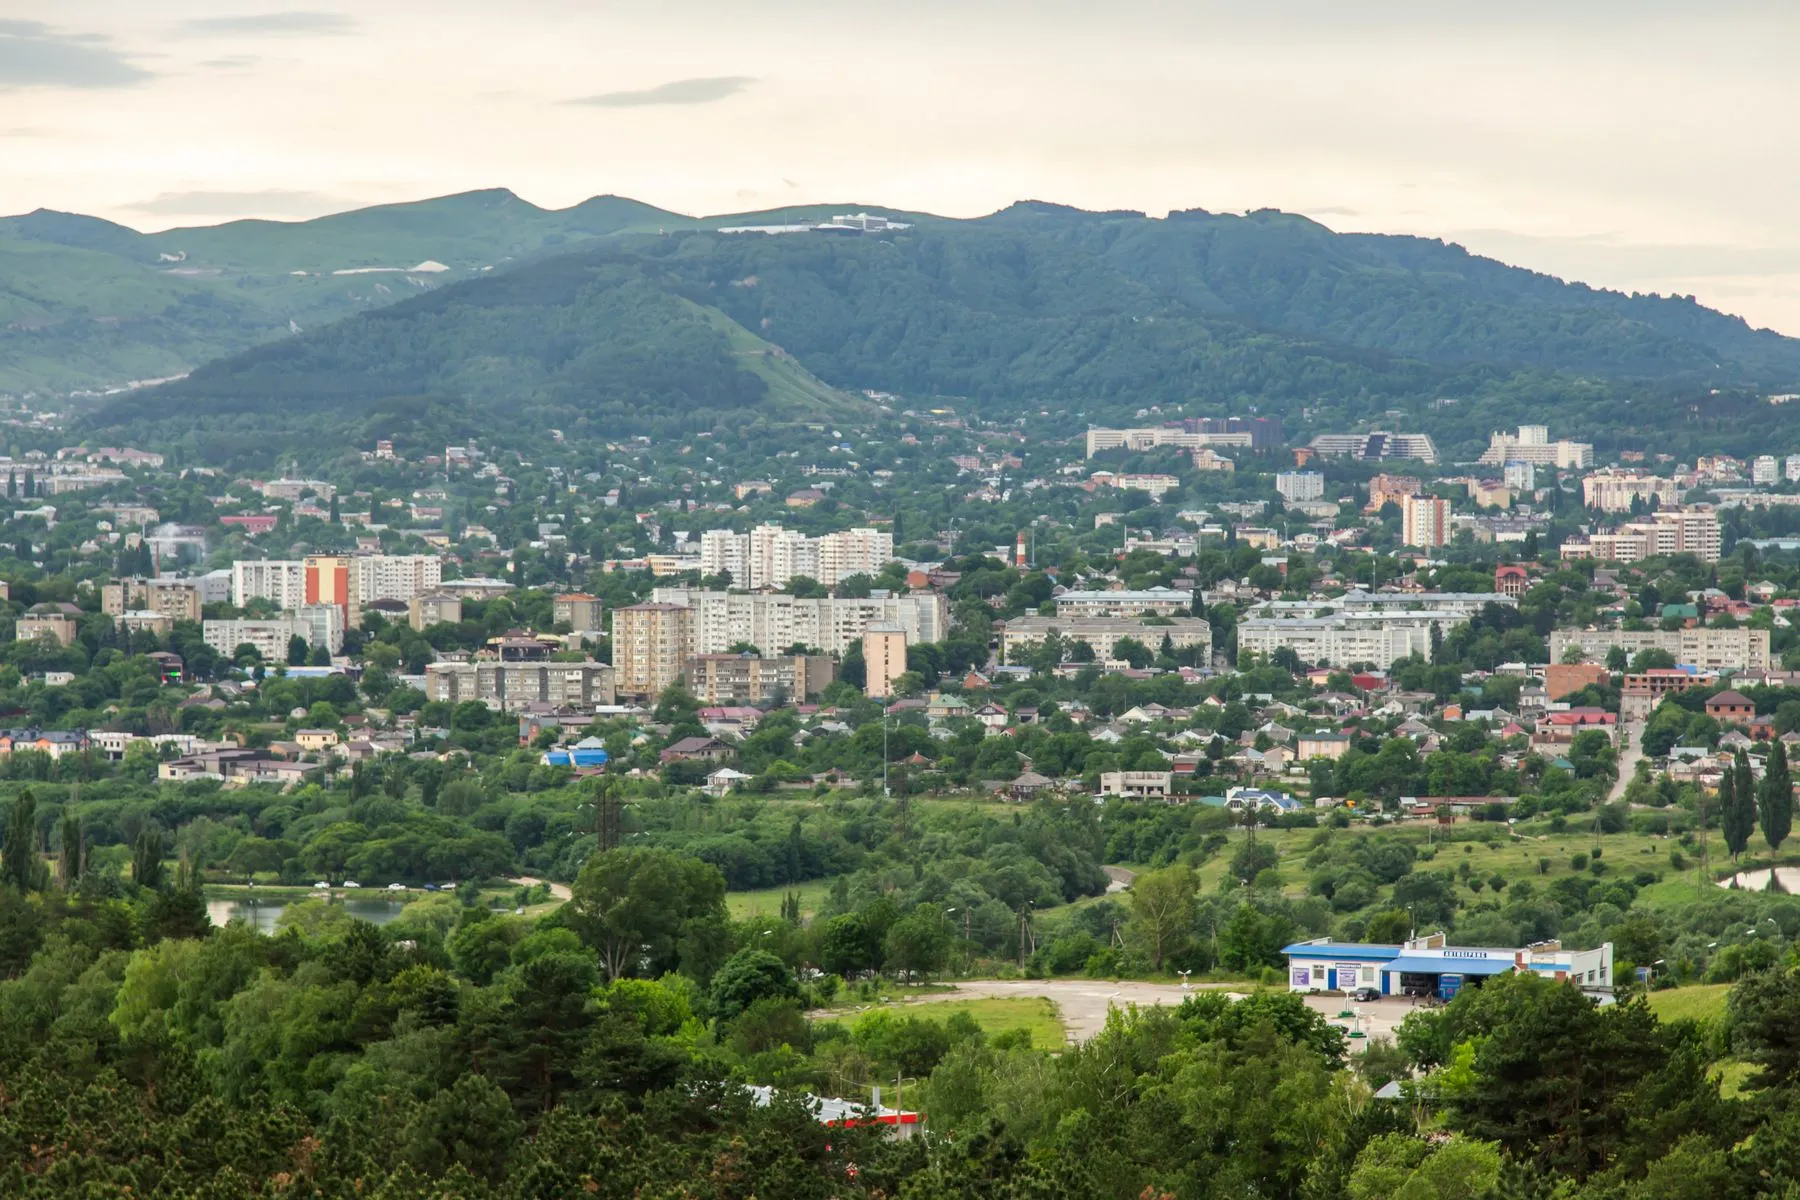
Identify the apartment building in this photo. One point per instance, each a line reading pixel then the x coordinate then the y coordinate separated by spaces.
pixel 579 611
pixel 752 679
pixel 650 644
pixel 1022 634
pixel 1425 521
pixel 1159 601
pixel 775 621
pixel 1706 649
pixel 1391 489
pixel 434 608
pixel 884 658
pixel 1345 639
pixel 176 599
pixel 317 624
pixel 1298 486
pixel 349 581
pixel 282 582
pixel 508 686
pixel 48 620
pixel 1667 531
pixel 770 556
pixel 1461 605
pixel 1532 445
pixel 1615 491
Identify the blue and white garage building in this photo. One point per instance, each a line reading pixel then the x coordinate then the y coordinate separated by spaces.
pixel 1427 966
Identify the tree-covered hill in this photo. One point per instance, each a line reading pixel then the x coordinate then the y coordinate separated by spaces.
pixel 614 316
pixel 1418 297
pixel 663 334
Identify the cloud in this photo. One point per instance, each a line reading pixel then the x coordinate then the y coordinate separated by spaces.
pixel 271 202
pixel 297 23
pixel 33 54
pixel 707 90
pixel 231 62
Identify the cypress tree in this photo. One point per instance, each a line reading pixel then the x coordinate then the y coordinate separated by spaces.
pixel 69 863
pixel 18 860
pixel 1737 805
pixel 1776 799
pixel 146 859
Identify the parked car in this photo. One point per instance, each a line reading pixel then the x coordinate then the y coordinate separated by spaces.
pixel 351 883
pixel 1365 994
pixel 322 884
pixel 396 887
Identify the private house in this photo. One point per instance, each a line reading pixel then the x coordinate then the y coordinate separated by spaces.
pixel 1730 707
pixel 315 741
pixel 696 749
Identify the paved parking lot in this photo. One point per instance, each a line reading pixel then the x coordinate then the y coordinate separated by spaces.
pixel 1083 1003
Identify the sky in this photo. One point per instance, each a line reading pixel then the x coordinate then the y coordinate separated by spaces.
pixel 1647 145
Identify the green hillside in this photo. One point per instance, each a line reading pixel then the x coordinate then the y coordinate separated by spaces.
pixel 1101 313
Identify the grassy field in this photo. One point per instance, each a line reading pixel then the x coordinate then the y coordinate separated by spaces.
pixel 1003 1015
pixel 1488 849
pixel 766 902
pixel 1698 1003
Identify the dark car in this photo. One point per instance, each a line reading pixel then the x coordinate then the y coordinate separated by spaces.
pixel 1365 993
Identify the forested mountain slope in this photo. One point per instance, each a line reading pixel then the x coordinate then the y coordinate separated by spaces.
pixel 86 303
pixel 1414 296
pixel 645 335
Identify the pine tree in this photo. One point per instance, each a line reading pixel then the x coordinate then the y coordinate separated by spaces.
pixel 1776 799
pixel 18 860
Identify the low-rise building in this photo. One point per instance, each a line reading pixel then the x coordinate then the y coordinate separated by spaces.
pixel 1137 785
pixel 57 621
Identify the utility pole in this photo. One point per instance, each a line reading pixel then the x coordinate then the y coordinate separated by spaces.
pixel 884 748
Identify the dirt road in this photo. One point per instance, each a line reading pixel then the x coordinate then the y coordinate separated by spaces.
pixel 1083 1003
pixel 559 891
pixel 1630 752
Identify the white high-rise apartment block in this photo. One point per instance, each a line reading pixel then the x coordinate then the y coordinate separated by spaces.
pixel 853 552
pixel 393 576
pixel 774 622
pixel 1791 468
pixel 1521 476
pixel 1765 470
pixel 723 550
pixel 770 556
pixel 282 582
pixel 1299 486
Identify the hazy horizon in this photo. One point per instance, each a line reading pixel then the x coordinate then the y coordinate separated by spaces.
pixel 1639 147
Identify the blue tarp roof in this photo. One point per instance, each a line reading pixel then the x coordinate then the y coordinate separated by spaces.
pixel 1433 965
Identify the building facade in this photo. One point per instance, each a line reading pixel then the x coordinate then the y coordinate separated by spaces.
pixel 507 686
pixel 723 679
pixel 1022 634
pixel 650 643
pixel 1703 648
pixel 884 658
pixel 1425 521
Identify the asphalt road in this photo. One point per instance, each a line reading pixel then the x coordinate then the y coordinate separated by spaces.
pixel 1633 735
pixel 1083 1003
